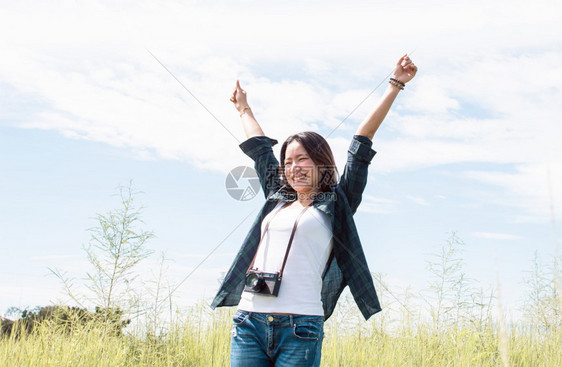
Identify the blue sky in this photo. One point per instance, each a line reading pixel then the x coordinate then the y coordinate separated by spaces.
pixel 471 145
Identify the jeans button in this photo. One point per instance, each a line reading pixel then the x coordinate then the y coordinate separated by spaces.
pixel 270 318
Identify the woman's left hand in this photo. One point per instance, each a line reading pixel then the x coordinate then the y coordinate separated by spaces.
pixel 405 69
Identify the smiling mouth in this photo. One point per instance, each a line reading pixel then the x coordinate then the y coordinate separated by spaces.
pixel 300 178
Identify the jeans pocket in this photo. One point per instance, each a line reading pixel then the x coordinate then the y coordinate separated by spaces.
pixel 239 317
pixel 308 330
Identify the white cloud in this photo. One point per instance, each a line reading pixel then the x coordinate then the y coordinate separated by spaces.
pixel 488 88
pixel 372 204
pixel 496 236
pixel 533 187
pixel 434 99
pixel 418 200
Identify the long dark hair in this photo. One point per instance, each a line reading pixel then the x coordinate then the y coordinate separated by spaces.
pixel 319 151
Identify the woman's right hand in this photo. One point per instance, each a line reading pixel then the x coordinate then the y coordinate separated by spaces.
pixel 251 126
pixel 239 98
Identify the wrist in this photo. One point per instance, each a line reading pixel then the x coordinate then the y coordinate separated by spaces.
pixel 244 110
pixel 396 83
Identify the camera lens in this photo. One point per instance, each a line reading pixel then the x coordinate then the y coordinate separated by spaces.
pixel 254 281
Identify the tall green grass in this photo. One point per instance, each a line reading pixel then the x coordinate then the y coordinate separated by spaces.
pixel 203 339
pixel 192 342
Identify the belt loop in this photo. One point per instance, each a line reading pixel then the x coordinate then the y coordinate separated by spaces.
pixel 291 321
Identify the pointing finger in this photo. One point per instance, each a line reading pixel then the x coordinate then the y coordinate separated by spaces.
pixel 239 88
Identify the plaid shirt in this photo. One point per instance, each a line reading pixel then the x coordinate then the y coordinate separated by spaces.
pixel 347 264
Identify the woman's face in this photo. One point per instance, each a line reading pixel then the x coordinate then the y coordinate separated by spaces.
pixel 300 169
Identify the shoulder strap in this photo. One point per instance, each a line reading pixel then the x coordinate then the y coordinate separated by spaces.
pixel 265 231
pixel 290 238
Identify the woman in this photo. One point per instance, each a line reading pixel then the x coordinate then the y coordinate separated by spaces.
pixel 303 248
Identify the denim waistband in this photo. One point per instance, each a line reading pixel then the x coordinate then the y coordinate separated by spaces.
pixel 277 319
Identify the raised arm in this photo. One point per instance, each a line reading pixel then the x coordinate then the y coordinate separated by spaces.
pixel 249 122
pixel 404 71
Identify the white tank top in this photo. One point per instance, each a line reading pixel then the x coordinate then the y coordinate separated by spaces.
pixel 302 278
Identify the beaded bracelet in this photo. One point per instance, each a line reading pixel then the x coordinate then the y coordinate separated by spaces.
pixel 244 110
pixel 397 83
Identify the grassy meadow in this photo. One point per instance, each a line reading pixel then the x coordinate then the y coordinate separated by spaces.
pixel 203 340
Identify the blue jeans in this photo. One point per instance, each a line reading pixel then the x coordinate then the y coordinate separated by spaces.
pixel 260 340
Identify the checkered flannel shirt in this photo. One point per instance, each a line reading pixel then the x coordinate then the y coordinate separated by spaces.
pixel 347 265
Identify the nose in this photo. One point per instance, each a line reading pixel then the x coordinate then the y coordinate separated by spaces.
pixel 292 169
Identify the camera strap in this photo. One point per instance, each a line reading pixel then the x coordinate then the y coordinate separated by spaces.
pixel 290 238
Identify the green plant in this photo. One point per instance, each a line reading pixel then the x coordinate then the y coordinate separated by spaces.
pixel 117 244
pixel 543 306
pixel 450 288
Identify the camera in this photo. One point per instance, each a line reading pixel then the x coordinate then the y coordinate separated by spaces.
pixel 263 283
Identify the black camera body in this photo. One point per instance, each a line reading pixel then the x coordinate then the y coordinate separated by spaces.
pixel 263 283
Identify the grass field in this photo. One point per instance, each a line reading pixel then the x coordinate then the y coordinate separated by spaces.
pixel 203 340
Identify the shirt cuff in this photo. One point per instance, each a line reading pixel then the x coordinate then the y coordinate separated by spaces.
pixel 257 145
pixel 361 148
